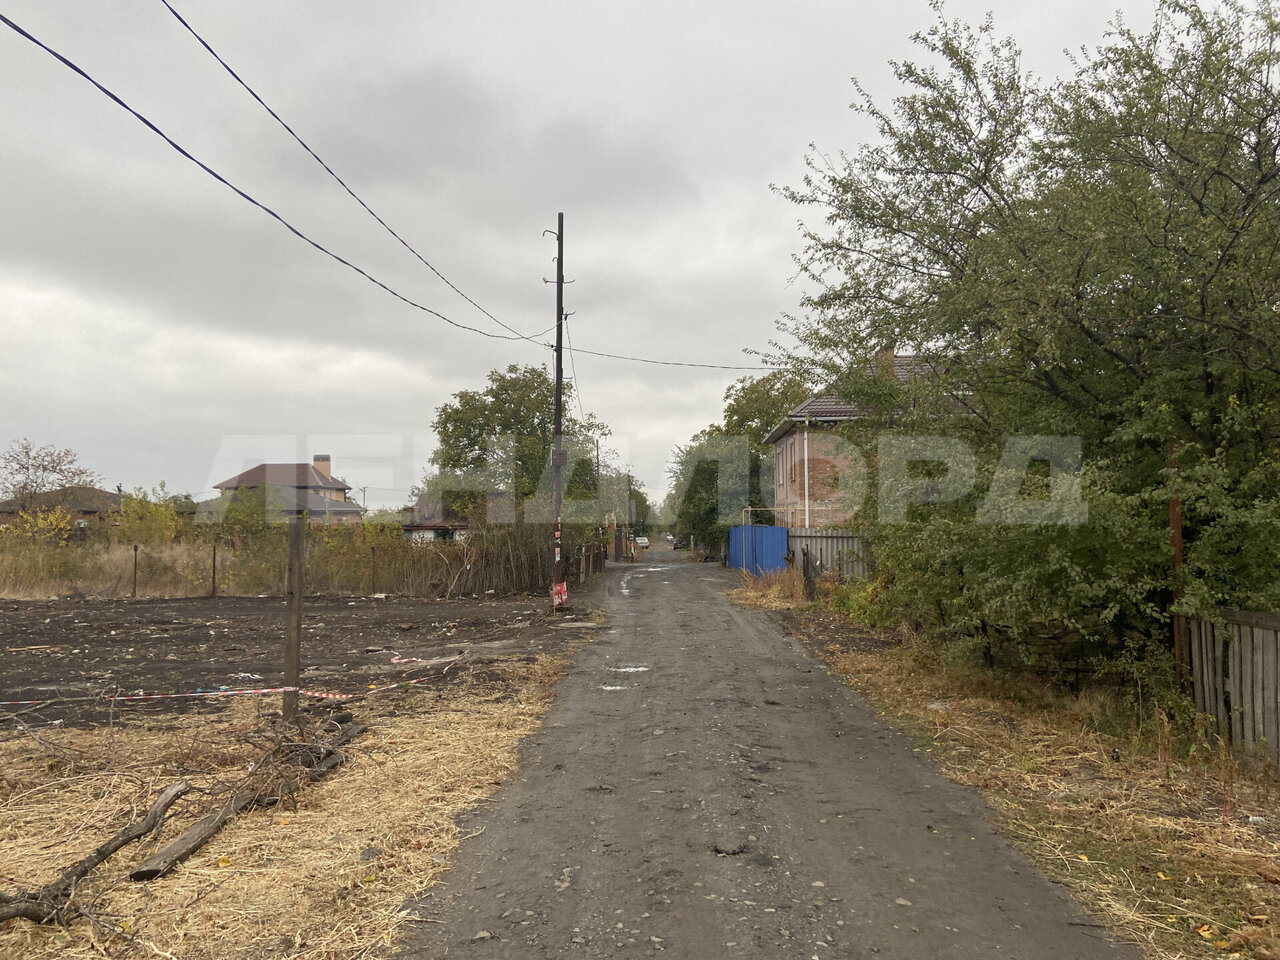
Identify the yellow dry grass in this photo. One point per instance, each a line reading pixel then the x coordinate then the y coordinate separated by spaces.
pixel 776 590
pixel 1175 849
pixel 324 877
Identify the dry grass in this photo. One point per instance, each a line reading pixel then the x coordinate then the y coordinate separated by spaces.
pixel 1175 845
pixel 777 590
pixel 325 877
pixel 38 573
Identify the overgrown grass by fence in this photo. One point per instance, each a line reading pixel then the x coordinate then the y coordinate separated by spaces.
pixel 1235 671
pixel 345 561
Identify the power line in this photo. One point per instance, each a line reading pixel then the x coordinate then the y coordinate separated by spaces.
pixel 242 194
pixel 71 65
pixel 329 170
pixel 573 369
pixel 673 363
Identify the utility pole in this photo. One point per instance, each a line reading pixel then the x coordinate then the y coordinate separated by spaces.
pixel 559 591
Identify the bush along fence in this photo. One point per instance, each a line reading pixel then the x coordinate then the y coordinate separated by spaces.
pixel 1235 675
pixel 832 551
pixel 498 559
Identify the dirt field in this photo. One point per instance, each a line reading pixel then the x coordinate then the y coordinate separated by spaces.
pixel 73 655
pixel 319 871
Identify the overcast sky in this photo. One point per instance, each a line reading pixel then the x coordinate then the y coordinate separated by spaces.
pixel 166 330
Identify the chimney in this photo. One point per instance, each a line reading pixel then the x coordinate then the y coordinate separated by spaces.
pixel 884 361
pixel 321 461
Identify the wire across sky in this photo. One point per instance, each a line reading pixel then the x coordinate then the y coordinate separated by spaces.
pixel 511 335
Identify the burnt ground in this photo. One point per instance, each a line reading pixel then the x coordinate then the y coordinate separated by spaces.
pixel 74 654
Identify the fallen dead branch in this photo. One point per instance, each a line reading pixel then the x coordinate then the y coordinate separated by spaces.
pixel 204 829
pixel 51 901
pixel 325 876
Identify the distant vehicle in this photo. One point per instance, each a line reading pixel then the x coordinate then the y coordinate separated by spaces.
pixel 642 542
pixel 679 544
pixel 669 536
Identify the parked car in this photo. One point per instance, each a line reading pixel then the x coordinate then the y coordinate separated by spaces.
pixel 642 543
pixel 680 544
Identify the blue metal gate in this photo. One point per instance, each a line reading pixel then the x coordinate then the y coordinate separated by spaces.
pixel 757 549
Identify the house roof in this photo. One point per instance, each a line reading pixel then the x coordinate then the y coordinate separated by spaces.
pixel 827 408
pixel 77 499
pixel 284 500
pixel 432 514
pixel 301 475
pixel 823 408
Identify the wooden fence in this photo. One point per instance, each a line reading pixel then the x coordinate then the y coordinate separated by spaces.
pixel 836 550
pixel 1235 673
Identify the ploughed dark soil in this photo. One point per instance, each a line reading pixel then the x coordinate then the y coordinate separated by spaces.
pixel 73 655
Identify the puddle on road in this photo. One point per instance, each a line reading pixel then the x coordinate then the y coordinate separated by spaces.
pixel 628 669
pixel 614 688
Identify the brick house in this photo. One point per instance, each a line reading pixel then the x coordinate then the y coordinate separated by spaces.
pixel 810 457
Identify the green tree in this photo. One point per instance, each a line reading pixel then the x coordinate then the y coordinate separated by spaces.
pixel 1095 258
pixel 728 466
pixel 753 406
pixel 500 437
pixel 151 518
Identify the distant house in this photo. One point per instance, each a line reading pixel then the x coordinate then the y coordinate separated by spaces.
pixel 89 507
pixel 809 456
pixel 291 490
pixel 429 519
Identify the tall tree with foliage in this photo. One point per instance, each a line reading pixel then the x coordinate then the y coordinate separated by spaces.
pixel 728 466
pixel 1094 258
pixel 499 438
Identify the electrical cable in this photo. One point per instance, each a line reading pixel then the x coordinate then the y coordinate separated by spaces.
pixel 141 118
pixel 573 370
pixel 242 194
pixel 329 170
pixel 674 363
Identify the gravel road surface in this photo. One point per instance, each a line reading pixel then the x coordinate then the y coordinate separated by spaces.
pixel 703 788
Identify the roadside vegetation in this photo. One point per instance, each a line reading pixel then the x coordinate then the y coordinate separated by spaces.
pixel 1093 259
pixel 245 554
pixel 490 469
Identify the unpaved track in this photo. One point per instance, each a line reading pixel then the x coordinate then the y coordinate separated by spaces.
pixel 733 800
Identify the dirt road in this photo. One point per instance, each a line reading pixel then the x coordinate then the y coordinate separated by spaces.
pixel 703 787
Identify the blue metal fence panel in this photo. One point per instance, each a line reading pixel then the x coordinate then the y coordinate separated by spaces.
pixel 757 549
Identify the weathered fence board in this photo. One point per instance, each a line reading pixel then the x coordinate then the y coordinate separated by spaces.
pixel 836 550
pixel 1235 675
